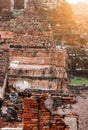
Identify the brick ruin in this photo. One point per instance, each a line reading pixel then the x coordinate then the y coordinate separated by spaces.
pixel 9 8
pixel 42 118
pixel 34 90
pixel 34 56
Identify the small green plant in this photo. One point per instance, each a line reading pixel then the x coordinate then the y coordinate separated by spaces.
pixel 79 81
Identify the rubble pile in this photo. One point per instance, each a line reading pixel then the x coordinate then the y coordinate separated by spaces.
pixel 11 111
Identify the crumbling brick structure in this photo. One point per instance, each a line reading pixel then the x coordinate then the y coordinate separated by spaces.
pixel 33 55
pixel 10 8
pixel 35 64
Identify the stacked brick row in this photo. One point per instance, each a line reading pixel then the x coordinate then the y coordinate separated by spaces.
pixel 6 38
pixel 40 71
pixel 10 125
pixel 37 117
pixel 34 39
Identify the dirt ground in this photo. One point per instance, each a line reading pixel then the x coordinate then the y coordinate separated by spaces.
pixel 81 107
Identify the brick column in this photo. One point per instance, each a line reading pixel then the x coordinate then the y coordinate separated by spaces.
pixel 11 5
pixel 25 3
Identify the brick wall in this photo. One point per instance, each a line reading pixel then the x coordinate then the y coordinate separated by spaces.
pixel 37 117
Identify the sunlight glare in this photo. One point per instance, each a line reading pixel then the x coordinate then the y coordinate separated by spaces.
pixel 76 1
